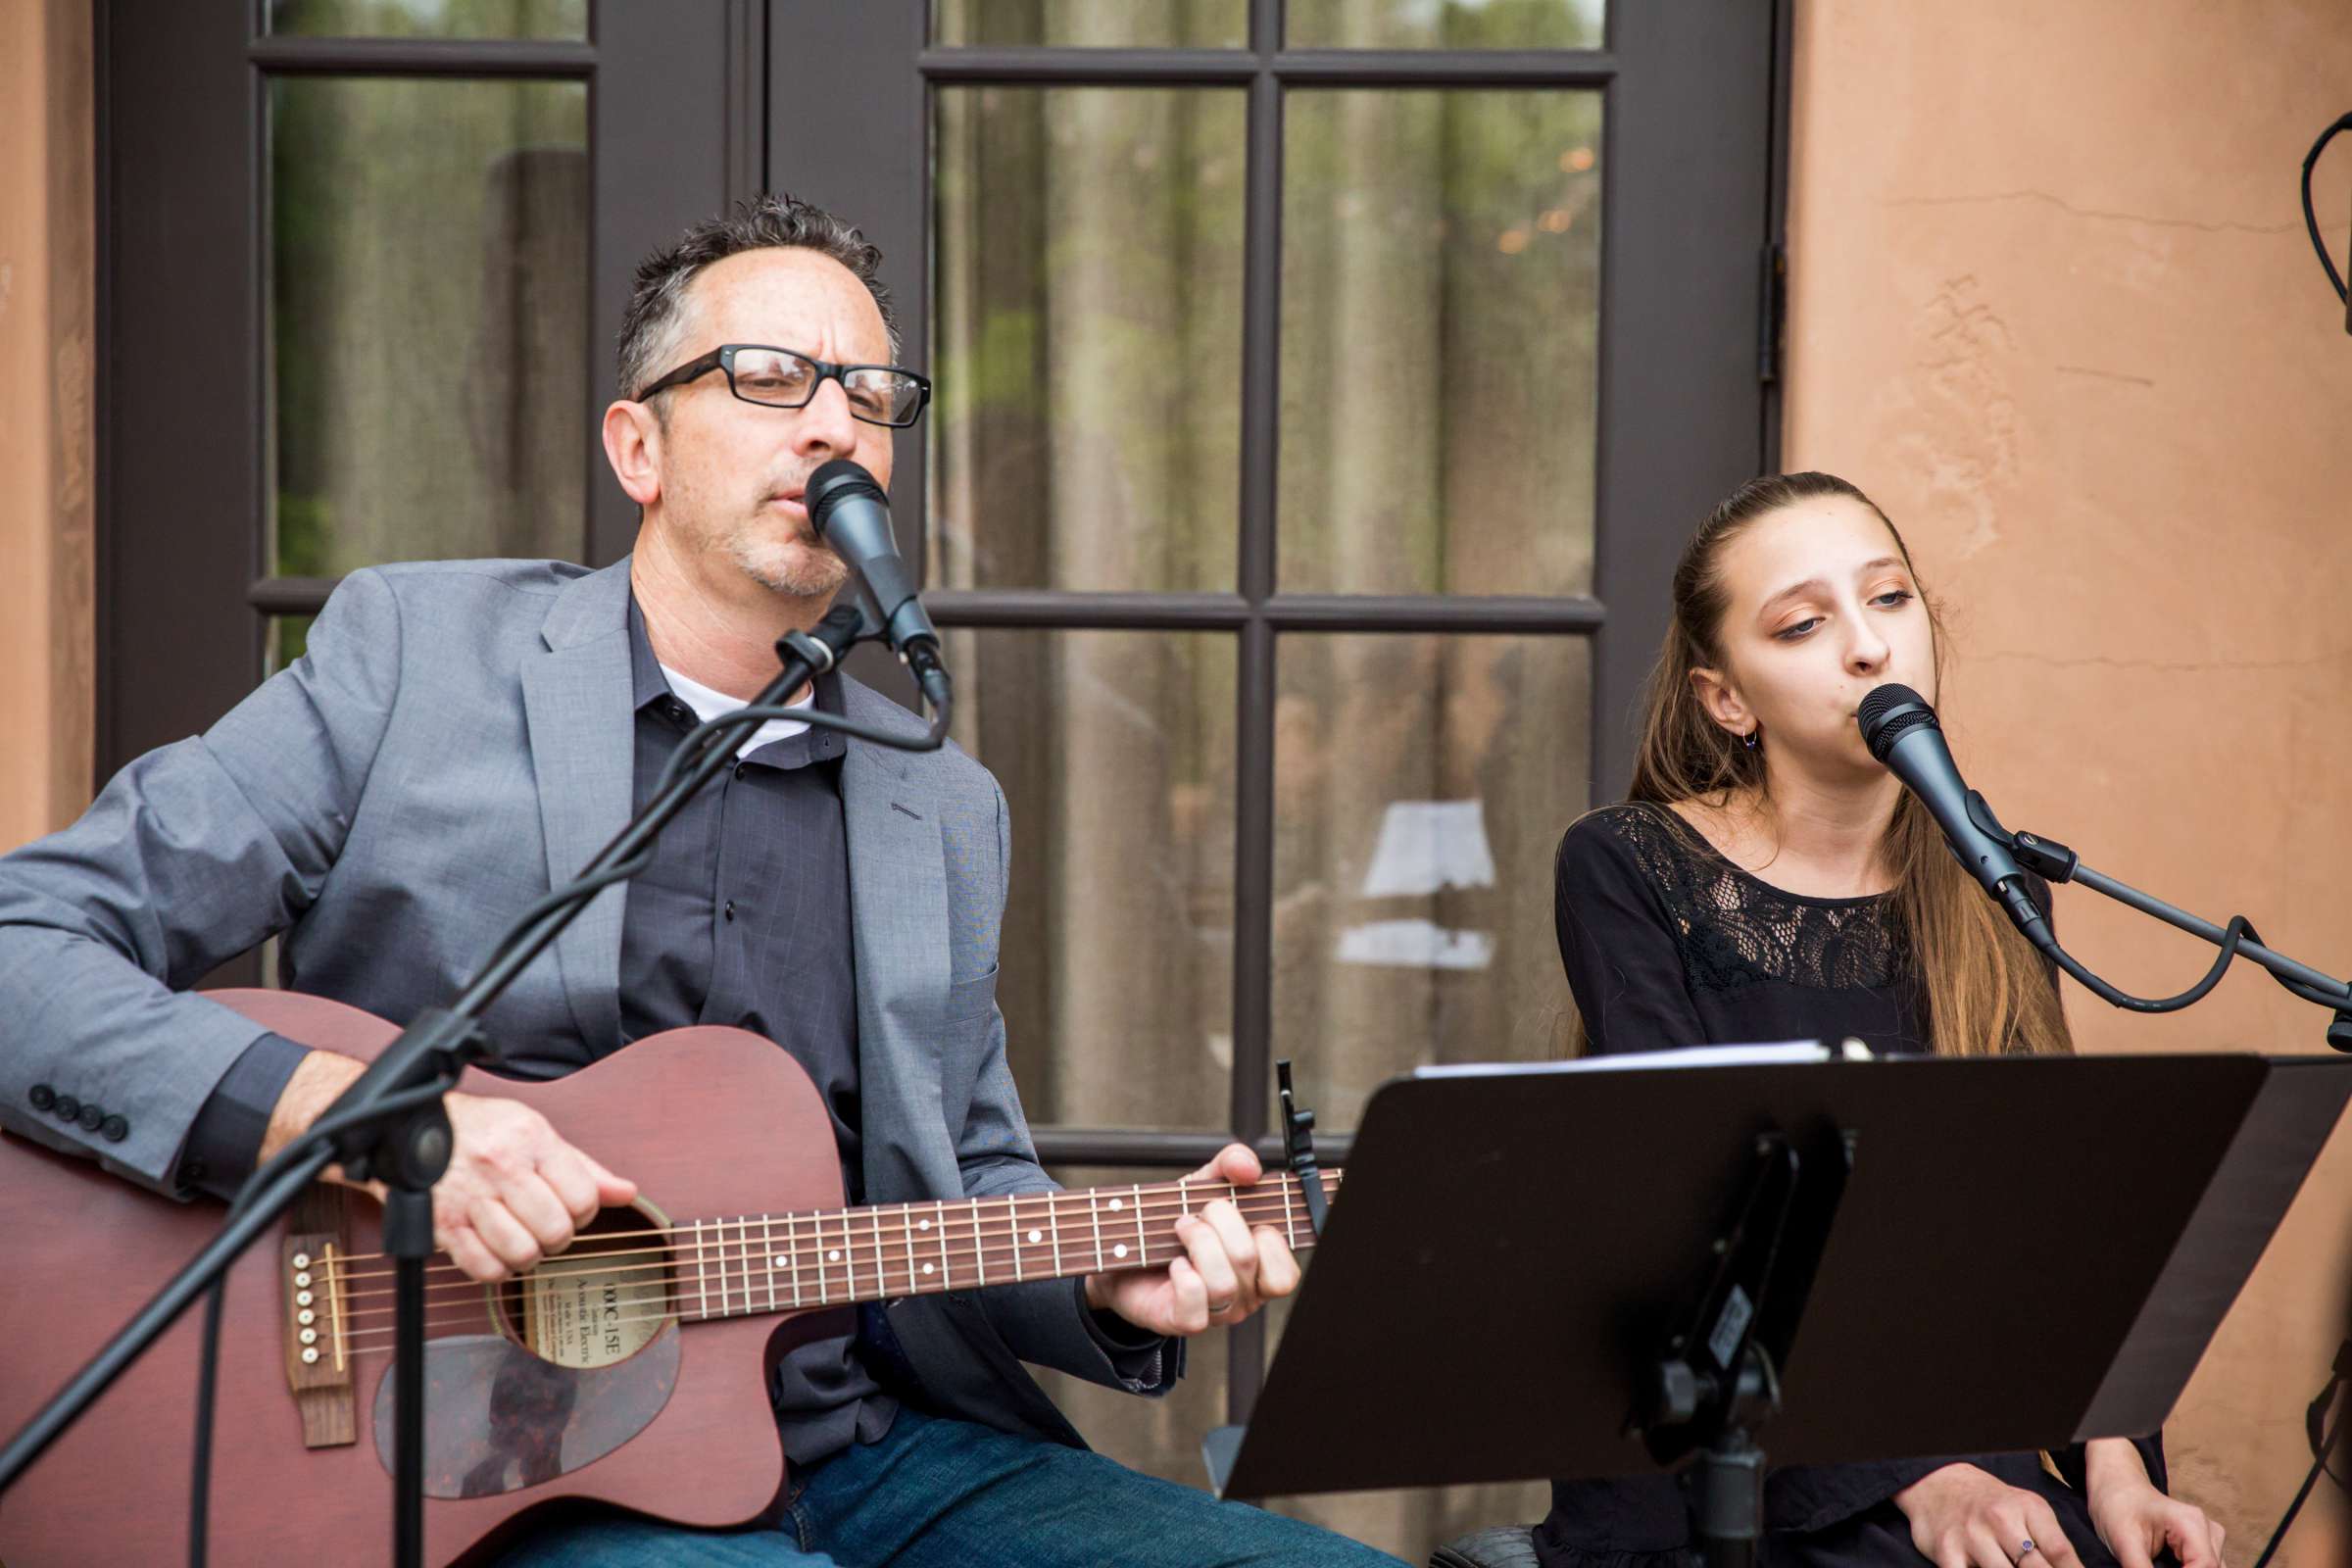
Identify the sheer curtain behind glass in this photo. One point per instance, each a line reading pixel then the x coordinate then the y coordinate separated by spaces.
pixel 428 311
pixel 1088 345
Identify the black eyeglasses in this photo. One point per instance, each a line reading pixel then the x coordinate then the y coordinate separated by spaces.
pixel 779 378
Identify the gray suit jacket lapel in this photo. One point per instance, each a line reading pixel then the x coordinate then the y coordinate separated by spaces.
pixel 898 920
pixel 576 696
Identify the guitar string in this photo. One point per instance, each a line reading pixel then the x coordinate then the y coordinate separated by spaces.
pixel 909 1217
pixel 820 1260
pixel 680 1313
pixel 1272 1186
pixel 821 1254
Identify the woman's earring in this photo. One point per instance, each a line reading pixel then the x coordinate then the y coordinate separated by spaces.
pixel 1750 739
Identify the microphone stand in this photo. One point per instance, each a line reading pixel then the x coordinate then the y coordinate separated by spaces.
pixel 2057 862
pixel 391 1125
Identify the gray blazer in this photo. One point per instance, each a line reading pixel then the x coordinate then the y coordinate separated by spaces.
pixel 459 735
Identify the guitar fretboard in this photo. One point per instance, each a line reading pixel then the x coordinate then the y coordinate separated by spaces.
pixel 757 1264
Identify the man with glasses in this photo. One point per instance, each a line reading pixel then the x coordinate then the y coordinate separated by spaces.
pixel 461 734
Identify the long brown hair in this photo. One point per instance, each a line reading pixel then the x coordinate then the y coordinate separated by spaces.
pixel 1987 992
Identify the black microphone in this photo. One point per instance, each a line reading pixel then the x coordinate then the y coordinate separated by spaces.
pixel 1902 732
pixel 851 513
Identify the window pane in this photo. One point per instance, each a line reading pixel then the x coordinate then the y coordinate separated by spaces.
pixel 1414 1522
pixel 1116 752
pixel 428 307
pixel 1158 1437
pixel 1093 23
pixel 1421 784
pixel 1089 302
pixel 1441 263
pixel 432 19
pixel 1443 25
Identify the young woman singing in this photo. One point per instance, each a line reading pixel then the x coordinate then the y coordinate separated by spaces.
pixel 1767 880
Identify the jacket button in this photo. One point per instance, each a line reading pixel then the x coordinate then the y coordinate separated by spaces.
pixel 66 1107
pixel 42 1097
pixel 92 1117
pixel 116 1130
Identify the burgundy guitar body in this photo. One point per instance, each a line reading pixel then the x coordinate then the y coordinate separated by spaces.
pixel 707 1121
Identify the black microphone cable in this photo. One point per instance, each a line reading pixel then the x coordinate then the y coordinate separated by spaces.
pixel 2311 219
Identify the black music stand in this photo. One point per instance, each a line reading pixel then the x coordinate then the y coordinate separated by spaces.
pixel 2024 1253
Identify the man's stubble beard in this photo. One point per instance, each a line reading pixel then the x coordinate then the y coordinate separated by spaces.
pixel 796 567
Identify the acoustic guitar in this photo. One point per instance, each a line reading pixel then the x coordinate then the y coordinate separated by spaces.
pixel 630 1370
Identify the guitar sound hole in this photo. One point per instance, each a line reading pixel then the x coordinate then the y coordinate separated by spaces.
pixel 599 1301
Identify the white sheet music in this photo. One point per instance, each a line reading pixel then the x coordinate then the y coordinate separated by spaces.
pixel 1787 1053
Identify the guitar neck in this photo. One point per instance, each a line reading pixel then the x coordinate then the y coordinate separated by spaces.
pixel 758 1263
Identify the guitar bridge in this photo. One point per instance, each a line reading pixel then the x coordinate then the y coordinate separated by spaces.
pixel 316 1316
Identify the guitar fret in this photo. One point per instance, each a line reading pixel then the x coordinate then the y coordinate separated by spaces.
pixel 906 1235
pixel 767 1235
pixel 743 1234
pixel 881 1281
pixel 792 1251
pixel 947 1269
pixel 816 1234
pixel 1143 1243
pixel 1094 1210
pixel 702 1272
pixel 1013 1207
pixel 979 1247
pixel 1054 1222
pixel 849 1259
pixel 1289 1232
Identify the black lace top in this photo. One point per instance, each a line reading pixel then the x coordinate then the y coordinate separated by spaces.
pixel 1667 944
pixel 1740 962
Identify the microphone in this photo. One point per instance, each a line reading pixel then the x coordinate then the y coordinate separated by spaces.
pixel 1900 730
pixel 851 513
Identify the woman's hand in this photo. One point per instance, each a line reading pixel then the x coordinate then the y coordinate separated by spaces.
pixel 2136 1520
pixel 1963 1517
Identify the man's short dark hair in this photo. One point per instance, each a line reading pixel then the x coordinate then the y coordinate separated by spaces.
pixel 649 327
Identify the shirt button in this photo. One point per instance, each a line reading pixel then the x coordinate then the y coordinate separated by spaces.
pixel 66 1107
pixel 116 1129
pixel 729 910
pixel 92 1117
pixel 740 768
pixel 42 1097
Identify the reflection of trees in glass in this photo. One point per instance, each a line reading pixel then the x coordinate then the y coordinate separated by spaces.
pixel 1443 24
pixel 440 19
pixel 428 276
pixel 1441 302
pixel 1100 23
pixel 1089 341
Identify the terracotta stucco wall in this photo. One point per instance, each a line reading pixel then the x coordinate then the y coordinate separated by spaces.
pixel 46 290
pixel 2052 304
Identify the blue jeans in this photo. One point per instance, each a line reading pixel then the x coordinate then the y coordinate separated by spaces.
pixel 939 1493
